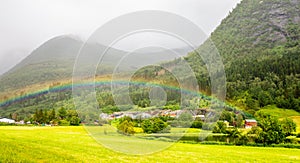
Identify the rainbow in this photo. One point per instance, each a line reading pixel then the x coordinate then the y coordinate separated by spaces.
pixel 69 86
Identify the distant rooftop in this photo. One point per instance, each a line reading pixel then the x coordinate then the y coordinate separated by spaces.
pixel 250 120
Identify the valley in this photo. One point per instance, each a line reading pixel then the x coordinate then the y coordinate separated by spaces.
pixel 155 106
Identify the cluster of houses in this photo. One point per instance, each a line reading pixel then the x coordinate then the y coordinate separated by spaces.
pixel 200 113
pixel 11 121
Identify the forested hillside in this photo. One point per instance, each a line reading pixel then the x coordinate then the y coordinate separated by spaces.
pixel 260 45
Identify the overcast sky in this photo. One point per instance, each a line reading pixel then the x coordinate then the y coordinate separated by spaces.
pixel 26 24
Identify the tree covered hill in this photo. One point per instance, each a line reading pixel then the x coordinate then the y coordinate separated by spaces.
pixel 260 45
pixel 255 25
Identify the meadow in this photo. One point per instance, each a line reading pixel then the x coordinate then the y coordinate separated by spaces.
pixel 74 144
pixel 283 113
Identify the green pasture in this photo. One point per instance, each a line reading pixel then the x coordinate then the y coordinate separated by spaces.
pixel 278 112
pixel 296 119
pixel 283 113
pixel 73 144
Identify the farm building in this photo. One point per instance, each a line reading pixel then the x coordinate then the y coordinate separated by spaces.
pixel 6 120
pixel 249 123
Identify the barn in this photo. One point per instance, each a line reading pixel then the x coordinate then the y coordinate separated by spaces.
pixel 249 123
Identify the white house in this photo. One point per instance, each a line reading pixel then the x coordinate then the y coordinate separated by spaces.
pixel 145 115
pixel 6 120
pixel 202 117
pixel 104 116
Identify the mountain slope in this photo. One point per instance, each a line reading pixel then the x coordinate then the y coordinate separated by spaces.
pixel 258 24
pixel 52 60
pixel 55 59
pixel 260 45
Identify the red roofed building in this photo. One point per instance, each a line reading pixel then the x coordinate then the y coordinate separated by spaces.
pixel 249 123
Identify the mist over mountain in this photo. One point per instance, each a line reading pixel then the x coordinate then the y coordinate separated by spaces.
pixel 55 59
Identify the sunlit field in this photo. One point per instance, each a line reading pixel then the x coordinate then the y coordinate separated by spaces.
pixel 296 119
pixel 73 144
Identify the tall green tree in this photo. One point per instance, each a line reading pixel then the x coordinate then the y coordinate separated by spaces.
pixel 126 128
pixel 272 131
pixel 154 125
pixel 40 116
pixel 239 121
pixel 72 117
pixel 52 115
pixel 147 126
pixel 227 116
pixel 288 126
pixel 220 127
pixel 62 113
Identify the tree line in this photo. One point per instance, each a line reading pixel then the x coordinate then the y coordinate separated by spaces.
pixel 270 130
pixel 62 117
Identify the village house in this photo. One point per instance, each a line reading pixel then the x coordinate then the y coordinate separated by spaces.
pixel 249 123
pixel 154 113
pixel 6 120
pixel 202 117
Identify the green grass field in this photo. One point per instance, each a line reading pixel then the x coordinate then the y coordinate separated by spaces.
pixel 283 113
pixel 73 144
pixel 278 112
pixel 296 119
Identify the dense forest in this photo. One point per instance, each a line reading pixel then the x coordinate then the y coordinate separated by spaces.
pixel 260 46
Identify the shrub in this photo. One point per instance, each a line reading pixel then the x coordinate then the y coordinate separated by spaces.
pixel 126 128
pixel 207 126
pixel 63 123
pixel 220 127
pixel 74 121
pixel 197 124
pixel 155 125
pixel 138 130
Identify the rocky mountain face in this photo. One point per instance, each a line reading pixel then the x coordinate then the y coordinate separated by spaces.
pixel 259 43
pixel 259 24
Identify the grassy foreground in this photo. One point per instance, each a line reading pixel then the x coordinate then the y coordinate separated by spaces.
pixel 73 144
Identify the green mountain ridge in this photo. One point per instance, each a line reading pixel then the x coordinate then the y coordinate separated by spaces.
pixel 260 45
pixel 258 24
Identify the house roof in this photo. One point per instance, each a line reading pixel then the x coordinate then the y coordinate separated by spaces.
pixel 6 120
pixel 201 116
pixel 250 120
